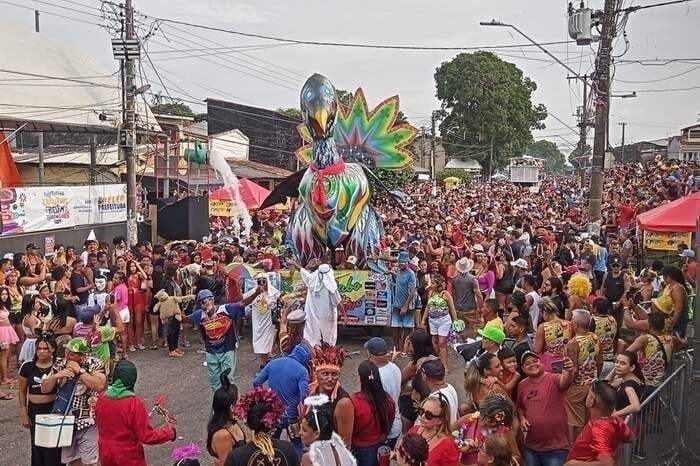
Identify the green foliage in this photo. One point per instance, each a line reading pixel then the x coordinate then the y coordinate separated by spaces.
pixel 485 96
pixel 543 149
pixel 172 108
pixel 291 112
pixel 463 175
pixel 394 179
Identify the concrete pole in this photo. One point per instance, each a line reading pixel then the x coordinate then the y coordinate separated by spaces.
pixel 130 127
pixel 602 99
pixel 41 157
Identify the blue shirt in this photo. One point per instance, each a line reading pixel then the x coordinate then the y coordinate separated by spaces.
pixel 405 280
pixel 289 378
pixel 219 329
pixel 602 264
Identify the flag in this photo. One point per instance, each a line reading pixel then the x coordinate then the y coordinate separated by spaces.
pixel 9 175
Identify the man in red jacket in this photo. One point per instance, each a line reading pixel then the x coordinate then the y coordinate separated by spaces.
pixel 123 424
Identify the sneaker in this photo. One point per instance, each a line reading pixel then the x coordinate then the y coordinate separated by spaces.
pixel 186 344
pixel 141 346
pixel 132 348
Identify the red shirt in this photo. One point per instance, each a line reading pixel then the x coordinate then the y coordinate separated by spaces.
pixel 366 430
pixel 626 214
pixel 445 453
pixel 543 404
pixel 600 438
pixel 124 427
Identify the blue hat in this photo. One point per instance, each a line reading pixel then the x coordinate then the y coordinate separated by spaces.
pixel 376 346
pixel 204 294
pixel 404 257
pixel 88 312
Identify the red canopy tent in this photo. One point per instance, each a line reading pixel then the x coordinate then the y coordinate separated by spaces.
pixel 678 216
pixel 252 194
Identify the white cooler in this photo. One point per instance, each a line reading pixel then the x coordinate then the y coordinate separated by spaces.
pixel 53 430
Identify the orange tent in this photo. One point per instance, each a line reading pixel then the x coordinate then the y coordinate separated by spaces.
pixel 9 175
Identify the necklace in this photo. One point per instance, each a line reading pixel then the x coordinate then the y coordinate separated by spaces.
pixel 428 439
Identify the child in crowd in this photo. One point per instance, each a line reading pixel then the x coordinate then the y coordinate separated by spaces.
pixel 510 375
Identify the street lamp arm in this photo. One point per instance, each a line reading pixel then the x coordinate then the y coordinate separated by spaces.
pixel 493 22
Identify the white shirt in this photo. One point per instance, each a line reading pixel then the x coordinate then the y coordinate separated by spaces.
pixel 450 393
pixel 535 308
pixel 390 376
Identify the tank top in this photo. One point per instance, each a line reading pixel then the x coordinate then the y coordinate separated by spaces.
pixel 651 358
pixel 437 306
pixel 614 287
pixel 557 335
pixel 605 329
pixel 587 355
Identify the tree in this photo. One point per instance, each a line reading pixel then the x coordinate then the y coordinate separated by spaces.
pixel 393 179
pixel 172 108
pixel 554 159
pixel 291 112
pixel 487 99
pixel 464 176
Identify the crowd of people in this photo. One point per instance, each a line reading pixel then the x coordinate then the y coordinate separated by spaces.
pixel 564 334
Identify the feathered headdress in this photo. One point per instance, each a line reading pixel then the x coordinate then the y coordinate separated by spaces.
pixel 326 357
pixel 265 396
pixel 186 452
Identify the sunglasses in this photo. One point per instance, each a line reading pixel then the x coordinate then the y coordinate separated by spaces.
pixel 428 415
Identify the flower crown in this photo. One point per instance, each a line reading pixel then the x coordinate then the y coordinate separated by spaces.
pixel 327 357
pixel 256 396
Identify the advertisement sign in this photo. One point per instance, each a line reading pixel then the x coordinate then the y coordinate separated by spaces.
pixel 27 210
pixel 666 241
pixel 367 296
pixel 49 245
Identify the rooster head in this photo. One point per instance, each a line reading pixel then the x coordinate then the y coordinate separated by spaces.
pixel 319 106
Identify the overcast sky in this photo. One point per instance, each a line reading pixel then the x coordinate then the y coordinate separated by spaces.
pixel 665 32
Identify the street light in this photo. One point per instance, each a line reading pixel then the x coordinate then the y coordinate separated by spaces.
pixel 493 22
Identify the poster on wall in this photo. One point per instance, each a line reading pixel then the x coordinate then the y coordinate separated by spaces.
pixel 367 296
pixel 28 210
pixel 666 241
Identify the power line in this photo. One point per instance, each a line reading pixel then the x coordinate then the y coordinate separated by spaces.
pixel 344 44
pixel 51 13
pixel 59 78
pixel 660 79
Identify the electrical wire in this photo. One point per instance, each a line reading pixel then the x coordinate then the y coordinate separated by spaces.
pixel 59 78
pixel 51 13
pixel 660 79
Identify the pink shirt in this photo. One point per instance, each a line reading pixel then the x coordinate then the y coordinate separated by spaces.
pixel 121 296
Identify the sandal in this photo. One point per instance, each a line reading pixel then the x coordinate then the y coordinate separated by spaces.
pixel 153 347
pixel 141 346
pixel 8 382
pixel 6 396
pixel 174 354
pixel 132 348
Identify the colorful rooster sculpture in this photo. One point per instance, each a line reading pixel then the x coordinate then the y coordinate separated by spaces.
pixel 334 191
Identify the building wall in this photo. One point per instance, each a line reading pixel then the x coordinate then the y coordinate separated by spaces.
pixel 421 153
pixel 73 237
pixel 61 174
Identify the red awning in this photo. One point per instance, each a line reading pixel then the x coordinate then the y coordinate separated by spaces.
pixel 9 175
pixel 252 194
pixel 678 216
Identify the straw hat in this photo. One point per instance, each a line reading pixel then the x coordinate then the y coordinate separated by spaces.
pixel 464 265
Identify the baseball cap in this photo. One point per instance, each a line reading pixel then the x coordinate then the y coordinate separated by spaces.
pixel 527 354
pixel 404 257
pixel 377 346
pixel 616 262
pixel 9 256
pixel 204 294
pixel 687 253
pixel 351 260
pixel 78 345
pixel 433 369
pixel 493 334
pixel 32 246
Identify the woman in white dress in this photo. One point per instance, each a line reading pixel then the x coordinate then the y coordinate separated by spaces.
pixel 326 448
pixel 264 330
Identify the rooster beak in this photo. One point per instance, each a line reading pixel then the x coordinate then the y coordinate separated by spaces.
pixel 321 120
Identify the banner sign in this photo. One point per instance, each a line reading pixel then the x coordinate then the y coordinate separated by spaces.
pixel 367 296
pixel 220 207
pixel 27 210
pixel 666 241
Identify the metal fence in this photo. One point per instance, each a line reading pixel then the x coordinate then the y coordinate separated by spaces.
pixel 661 426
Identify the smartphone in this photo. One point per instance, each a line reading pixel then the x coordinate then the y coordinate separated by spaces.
pixel 558 366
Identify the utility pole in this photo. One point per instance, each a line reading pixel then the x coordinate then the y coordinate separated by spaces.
pixel 490 171
pixel 602 101
pixel 36 21
pixel 433 147
pixel 130 128
pixel 422 146
pixel 93 159
pixel 622 154
pixel 583 125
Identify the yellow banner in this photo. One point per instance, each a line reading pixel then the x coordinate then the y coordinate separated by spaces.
pixel 665 241
pixel 220 208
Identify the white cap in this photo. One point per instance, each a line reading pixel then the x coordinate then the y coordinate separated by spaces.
pixel 9 255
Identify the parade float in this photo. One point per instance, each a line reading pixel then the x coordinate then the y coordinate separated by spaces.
pixel 333 218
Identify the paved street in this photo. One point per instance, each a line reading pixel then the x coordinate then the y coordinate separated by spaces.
pixel 189 395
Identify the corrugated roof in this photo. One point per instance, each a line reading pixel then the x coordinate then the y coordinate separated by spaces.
pixel 71 99
pixel 75 155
